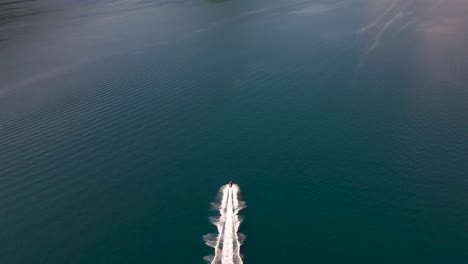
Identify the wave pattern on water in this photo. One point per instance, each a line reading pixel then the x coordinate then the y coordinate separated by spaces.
pixel 227 243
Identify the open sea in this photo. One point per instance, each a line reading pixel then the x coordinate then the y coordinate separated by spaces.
pixel 344 123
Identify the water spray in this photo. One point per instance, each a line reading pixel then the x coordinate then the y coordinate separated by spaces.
pixel 228 241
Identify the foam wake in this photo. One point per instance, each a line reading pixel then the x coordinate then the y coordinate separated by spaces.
pixel 227 242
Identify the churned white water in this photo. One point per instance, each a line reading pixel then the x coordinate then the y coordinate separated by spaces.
pixel 227 242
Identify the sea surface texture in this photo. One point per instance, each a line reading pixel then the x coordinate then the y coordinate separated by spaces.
pixel 343 122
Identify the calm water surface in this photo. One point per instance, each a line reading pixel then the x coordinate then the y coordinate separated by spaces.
pixel 345 123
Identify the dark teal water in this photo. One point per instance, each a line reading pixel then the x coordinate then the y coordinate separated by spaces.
pixel 345 123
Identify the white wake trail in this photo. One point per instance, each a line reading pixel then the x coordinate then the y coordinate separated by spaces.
pixel 227 243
